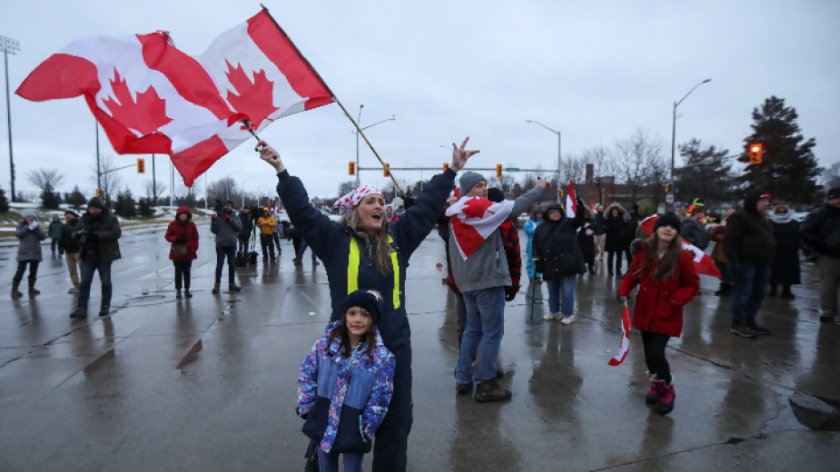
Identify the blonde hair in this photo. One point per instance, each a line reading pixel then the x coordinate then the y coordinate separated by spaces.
pixel 377 239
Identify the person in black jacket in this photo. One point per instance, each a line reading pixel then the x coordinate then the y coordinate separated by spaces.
pixel 560 260
pixel 70 246
pixel 750 248
pixel 244 236
pixel 98 233
pixel 365 252
pixel 614 245
pixel 785 269
pixel 821 232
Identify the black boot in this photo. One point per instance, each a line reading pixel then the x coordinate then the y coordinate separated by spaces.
pixel 491 391
pixel 15 292
pixel 772 292
pixel 786 293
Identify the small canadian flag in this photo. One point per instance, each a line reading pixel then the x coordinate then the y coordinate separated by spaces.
pixel 624 346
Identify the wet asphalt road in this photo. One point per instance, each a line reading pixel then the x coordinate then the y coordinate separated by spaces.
pixel 209 383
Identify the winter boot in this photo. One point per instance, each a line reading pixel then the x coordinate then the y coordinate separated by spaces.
pixel 234 288
pixel 491 391
pixel 32 290
pixel 215 288
pixel 656 389
pixel 79 313
pixel 178 293
pixel 104 311
pixel 786 293
pixel 665 401
pixel 772 292
pixel 187 293
pixel 15 292
pixel 463 388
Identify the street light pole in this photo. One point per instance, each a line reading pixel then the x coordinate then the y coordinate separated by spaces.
pixel 9 46
pixel 359 122
pixel 559 149
pixel 674 136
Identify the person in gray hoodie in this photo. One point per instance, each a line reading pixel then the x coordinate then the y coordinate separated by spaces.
pixel 29 252
pixel 482 279
pixel 226 227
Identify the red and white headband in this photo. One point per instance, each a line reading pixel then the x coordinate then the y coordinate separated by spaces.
pixel 351 200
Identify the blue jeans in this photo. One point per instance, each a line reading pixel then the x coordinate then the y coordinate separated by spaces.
pixel 89 265
pixel 221 253
pixel 485 325
pixel 562 289
pixel 328 461
pixel 750 287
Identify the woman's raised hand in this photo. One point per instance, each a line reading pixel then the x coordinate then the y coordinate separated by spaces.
pixel 271 156
pixel 460 155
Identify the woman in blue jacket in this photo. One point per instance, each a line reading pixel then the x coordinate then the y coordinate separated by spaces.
pixel 531 226
pixel 364 251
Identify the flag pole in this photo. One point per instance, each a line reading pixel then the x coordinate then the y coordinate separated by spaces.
pixel 337 101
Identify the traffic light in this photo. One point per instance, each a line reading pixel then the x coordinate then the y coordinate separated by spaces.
pixel 445 166
pixel 667 187
pixel 498 171
pixel 351 168
pixel 98 192
pixel 141 165
pixel 386 169
pixel 756 153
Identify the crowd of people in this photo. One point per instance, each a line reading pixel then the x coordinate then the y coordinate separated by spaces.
pixel 355 384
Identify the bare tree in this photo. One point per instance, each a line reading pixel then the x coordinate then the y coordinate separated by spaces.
pixel 43 178
pixel 223 189
pixel 603 163
pixel 150 192
pixel 831 176
pixel 640 164
pixel 572 168
pixel 110 179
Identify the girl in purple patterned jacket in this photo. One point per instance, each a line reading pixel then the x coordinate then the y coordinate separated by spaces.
pixel 345 384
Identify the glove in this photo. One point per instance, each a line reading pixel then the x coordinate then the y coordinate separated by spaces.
pixel 510 292
pixel 213 216
pixel 181 240
pixel 621 299
pixel 538 265
pixel 33 226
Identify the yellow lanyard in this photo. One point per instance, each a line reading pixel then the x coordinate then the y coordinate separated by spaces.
pixel 353 269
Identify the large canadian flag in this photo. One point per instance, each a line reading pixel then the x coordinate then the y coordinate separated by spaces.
pixel 702 262
pixel 474 219
pixel 150 97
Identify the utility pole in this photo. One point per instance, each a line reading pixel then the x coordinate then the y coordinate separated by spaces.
pixel 9 46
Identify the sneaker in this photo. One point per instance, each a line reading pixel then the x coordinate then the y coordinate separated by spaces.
pixel 463 388
pixel 757 328
pixel 549 316
pixel 73 290
pixel 656 389
pixel 742 330
pixel 567 320
pixel 491 391
pixel 234 288
pixel 105 311
pixel 79 313
pixel 665 402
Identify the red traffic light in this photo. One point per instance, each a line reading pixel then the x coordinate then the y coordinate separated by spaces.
pixel 756 153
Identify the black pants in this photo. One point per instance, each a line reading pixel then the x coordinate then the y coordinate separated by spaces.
pixel 223 252
pixel 267 243
pixel 391 444
pixel 182 272
pixel 54 245
pixel 243 244
pixel 614 255
pixel 276 237
pixel 33 271
pixel 655 354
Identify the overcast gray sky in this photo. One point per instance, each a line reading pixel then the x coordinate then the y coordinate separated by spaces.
pixel 596 71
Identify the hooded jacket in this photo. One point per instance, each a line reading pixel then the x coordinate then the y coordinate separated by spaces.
pixel 30 242
pixel 344 399
pixel 182 233
pixel 821 230
pixel 659 304
pixel 614 228
pixel 556 244
pixel 487 267
pixel 749 235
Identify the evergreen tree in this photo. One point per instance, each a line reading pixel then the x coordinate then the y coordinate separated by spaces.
pixel 75 198
pixel 50 200
pixel 145 208
pixel 706 174
pixel 125 205
pixel 789 168
pixel 4 202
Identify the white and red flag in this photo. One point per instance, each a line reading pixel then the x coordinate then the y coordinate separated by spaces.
pixel 150 97
pixel 571 201
pixel 474 219
pixel 703 264
pixel 624 345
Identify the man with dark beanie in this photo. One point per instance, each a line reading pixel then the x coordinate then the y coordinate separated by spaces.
pixel 821 231
pixel 97 232
pixel 750 247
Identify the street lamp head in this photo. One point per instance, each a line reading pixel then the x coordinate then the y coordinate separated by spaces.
pixel 706 81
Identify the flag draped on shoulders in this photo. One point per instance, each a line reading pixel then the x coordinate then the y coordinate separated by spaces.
pixel 150 97
pixel 703 263
pixel 474 219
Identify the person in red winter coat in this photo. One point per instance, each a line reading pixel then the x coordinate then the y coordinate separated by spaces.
pixel 667 281
pixel 183 235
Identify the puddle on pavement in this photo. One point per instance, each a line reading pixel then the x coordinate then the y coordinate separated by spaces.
pixel 815 412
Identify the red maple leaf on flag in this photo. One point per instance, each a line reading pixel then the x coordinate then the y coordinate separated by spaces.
pixel 145 115
pixel 254 99
pixel 476 207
